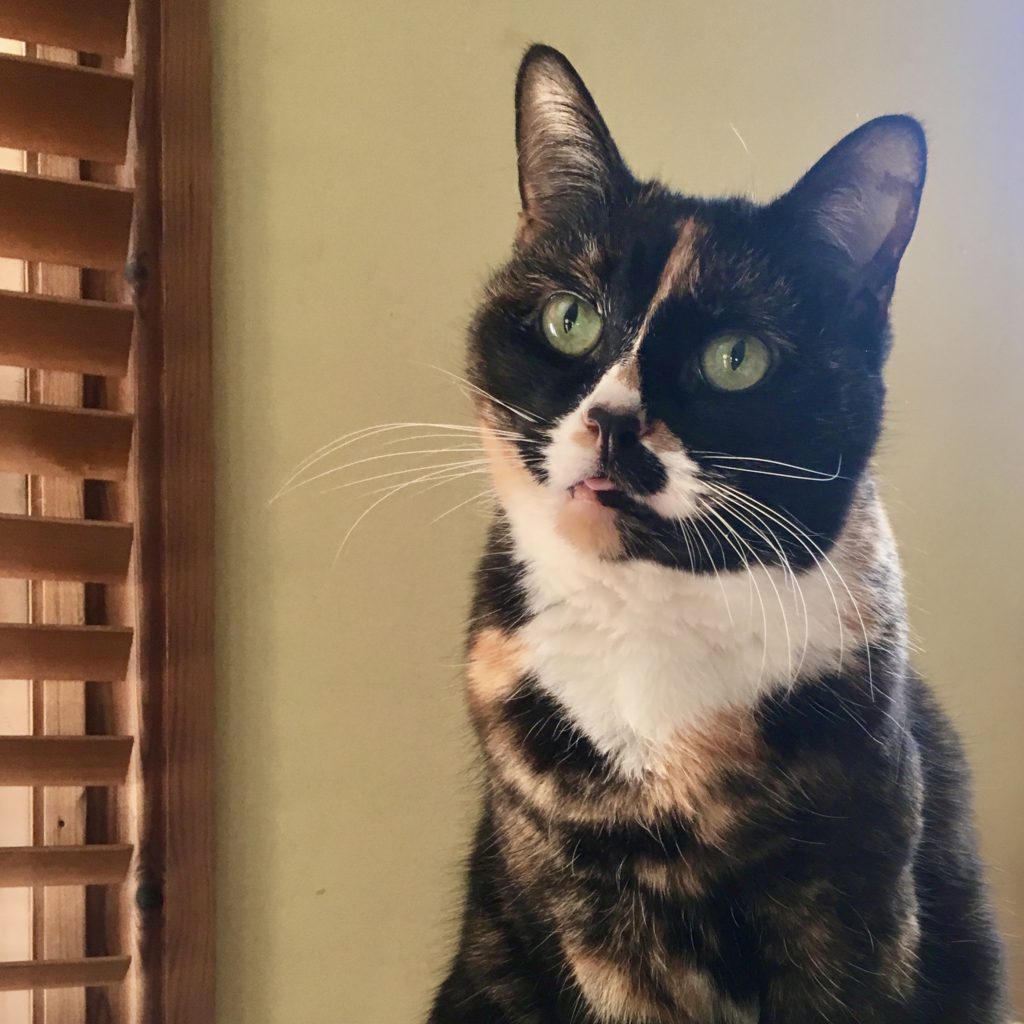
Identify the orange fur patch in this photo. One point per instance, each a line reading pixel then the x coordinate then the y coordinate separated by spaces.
pixel 584 438
pixel 495 666
pixel 687 780
pixel 511 478
pixel 589 527
pixel 611 990
pixel 680 271
pixel 628 373
pixel 660 439
pixel 586 525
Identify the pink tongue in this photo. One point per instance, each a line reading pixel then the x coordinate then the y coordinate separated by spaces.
pixel 599 483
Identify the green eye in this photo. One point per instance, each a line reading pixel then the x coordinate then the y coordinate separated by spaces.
pixel 571 324
pixel 735 362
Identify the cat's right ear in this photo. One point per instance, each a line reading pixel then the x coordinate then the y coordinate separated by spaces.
pixel 567 159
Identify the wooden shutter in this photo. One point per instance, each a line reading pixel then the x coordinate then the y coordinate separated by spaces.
pixel 111 217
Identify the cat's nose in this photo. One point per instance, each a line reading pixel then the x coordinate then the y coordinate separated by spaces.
pixel 616 431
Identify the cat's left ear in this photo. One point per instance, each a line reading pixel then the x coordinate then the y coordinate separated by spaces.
pixel 567 159
pixel 861 200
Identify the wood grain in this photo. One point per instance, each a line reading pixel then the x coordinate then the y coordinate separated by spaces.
pixel 64 222
pixel 56 652
pixel 165 917
pixel 52 107
pixel 174 181
pixel 95 26
pixel 58 811
pixel 43 548
pixel 128 919
pixel 46 440
pixel 64 865
pixel 49 333
pixel 64 760
pixel 77 973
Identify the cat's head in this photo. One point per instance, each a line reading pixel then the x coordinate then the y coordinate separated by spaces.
pixel 669 378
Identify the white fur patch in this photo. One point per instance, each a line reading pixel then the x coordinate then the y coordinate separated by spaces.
pixel 679 498
pixel 569 459
pixel 572 455
pixel 638 652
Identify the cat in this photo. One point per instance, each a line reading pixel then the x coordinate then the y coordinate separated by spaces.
pixel 716 791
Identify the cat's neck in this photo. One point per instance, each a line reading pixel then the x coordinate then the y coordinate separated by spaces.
pixel 640 653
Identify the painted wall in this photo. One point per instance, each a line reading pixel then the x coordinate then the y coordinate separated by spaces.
pixel 366 182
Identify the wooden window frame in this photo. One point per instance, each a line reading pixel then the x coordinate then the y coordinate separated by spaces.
pixel 170 275
pixel 162 917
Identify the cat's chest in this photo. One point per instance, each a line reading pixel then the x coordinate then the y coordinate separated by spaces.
pixel 640 962
pixel 640 655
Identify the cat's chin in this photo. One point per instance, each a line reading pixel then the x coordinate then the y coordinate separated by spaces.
pixel 587 519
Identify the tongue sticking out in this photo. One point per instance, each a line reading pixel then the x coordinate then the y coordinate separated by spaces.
pixel 587 490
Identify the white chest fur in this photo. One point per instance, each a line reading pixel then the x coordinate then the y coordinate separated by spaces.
pixel 638 653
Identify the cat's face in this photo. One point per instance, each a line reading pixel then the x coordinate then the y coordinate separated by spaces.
pixel 695 383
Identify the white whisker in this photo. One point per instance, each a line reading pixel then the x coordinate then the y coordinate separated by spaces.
pixel 486 394
pixel 461 504
pixel 365 433
pixel 767 534
pixel 403 472
pixel 816 473
pixel 440 476
pixel 375 458
pixel 727 531
pixel 785 476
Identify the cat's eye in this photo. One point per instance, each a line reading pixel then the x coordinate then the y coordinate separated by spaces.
pixel 570 324
pixel 735 362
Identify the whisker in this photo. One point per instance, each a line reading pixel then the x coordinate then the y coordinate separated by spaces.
pixel 486 394
pixel 808 542
pixel 394 490
pixel 774 462
pixel 506 435
pixel 768 535
pixel 727 531
pixel 364 433
pixel 375 458
pixel 774 586
pixel 403 472
pixel 455 470
pixel 714 568
pixel 461 504
pixel 326 449
pixel 785 476
pixel 391 492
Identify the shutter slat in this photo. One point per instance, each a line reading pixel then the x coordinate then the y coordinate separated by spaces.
pixel 69 222
pixel 65 334
pixel 85 973
pixel 56 441
pixel 95 26
pixel 65 109
pixel 94 653
pixel 63 865
pixel 64 760
pixel 83 550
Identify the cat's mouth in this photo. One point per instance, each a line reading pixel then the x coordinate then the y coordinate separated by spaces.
pixel 592 488
pixel 600 490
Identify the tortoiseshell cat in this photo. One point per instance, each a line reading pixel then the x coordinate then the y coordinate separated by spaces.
pixel 716 791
